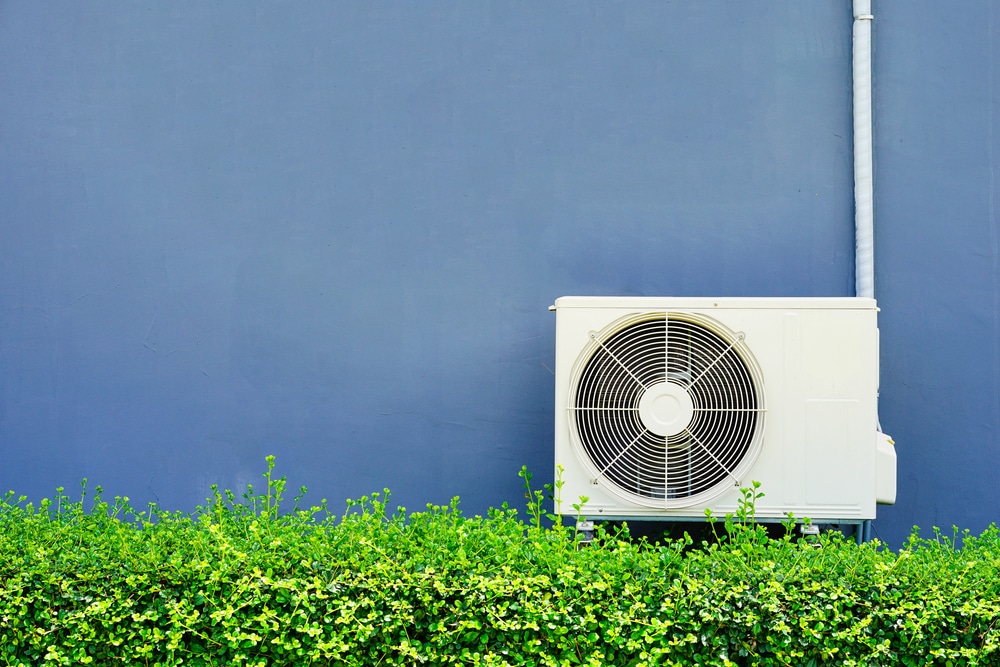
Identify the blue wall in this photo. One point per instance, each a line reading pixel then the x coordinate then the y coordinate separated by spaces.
pixel 937 112
pixel 330 231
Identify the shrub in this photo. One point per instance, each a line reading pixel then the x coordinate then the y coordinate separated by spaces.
pixel 242 581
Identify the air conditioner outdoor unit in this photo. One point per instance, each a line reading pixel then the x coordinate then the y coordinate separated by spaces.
pixel 665 407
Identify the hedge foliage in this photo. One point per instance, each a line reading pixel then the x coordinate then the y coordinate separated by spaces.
pixel 239 582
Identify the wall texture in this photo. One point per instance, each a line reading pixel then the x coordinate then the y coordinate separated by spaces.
pixel 330 231
pixel 937 110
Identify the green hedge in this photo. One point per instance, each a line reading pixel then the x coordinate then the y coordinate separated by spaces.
pixel 239 582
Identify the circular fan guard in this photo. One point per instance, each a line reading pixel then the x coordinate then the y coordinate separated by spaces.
pixel 668 409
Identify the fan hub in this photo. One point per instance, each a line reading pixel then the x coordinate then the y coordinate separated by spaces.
pixel 666 408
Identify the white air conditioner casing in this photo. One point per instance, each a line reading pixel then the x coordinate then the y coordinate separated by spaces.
pixel 666 406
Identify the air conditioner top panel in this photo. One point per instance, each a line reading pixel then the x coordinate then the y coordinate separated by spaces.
pixel 716 303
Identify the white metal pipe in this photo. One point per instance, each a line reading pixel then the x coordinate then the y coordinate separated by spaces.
pixel 864 258
pixel 864 189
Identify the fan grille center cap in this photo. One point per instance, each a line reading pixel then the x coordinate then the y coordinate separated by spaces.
pixel 665 408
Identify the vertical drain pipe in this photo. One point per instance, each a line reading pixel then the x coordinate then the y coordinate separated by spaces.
pixel 864 257
pixel 864 210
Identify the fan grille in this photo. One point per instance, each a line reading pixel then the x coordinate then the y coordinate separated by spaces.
pixel 668 409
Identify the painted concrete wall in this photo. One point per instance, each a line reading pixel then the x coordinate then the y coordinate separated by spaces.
pixel 330 231
pixel 937 110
